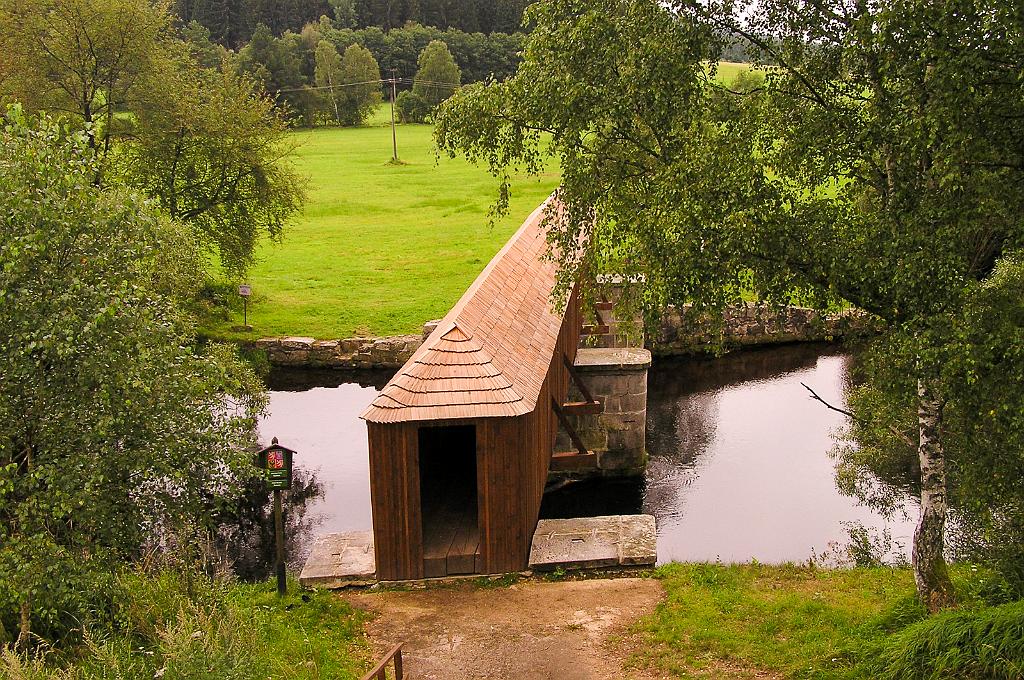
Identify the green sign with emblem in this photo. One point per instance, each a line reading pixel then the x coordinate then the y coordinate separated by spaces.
pixel 276 461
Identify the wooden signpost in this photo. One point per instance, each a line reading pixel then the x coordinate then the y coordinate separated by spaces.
pixel 276 460
pixel 245 290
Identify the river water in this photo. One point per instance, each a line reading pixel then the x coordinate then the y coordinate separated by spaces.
pixel 739 463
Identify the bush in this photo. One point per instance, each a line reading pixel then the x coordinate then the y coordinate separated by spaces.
pixel 176 623
pixel 411 108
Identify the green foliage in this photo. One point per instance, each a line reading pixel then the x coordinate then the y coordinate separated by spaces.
pixel 438 76
pixel 204 51
pixel 214 155
pixel 874 169
pixel 344 13
pixel 327 74
pixel 278 65
pixel 360 76
pixel 89 60
pixel 411 108
pixel 199 140
pixel 178 623
pixel 286 66
pixel 233 21
pixel 982 643
pixel 112 427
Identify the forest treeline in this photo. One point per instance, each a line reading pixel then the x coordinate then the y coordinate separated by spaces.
pixel 286 65
pixel 232 23
pixel 277 43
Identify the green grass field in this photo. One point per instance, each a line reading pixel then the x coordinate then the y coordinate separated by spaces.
pixel 379 248
pixel 728 70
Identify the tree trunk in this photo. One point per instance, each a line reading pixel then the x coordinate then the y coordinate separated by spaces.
pixel 25 629
pixel 934 588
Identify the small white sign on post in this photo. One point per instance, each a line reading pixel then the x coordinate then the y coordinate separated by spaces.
pixel 245 290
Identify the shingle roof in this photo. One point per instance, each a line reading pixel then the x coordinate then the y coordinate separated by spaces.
pixel 490 354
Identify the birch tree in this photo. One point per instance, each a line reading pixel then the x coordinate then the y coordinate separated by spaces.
pixel 327 75
pixel 878 165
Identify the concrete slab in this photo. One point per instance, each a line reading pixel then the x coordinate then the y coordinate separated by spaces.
pixel 594 542
pixel 621 359
pixel 339 560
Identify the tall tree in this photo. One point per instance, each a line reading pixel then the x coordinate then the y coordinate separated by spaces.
pixel 879 164
pixel 83 58
pixel 360 77
pixel 113 425
pixel 328 76
pixel 438 76
pixel 117 70
pixel 216 156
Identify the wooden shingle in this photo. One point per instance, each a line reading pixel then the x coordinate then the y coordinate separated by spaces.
pixel 489 356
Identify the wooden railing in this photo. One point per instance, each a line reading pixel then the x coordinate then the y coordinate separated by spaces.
pixel 380 671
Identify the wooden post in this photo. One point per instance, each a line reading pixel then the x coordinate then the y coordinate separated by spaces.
pixel 394 137
pixel 282 582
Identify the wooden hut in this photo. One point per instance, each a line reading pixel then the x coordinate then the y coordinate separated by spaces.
pixel 460 440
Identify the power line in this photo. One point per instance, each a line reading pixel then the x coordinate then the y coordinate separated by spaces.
pixel 404 81
pixel 329 87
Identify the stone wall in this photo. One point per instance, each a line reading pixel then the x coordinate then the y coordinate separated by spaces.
pixel 389 352
pixel 617 435
pixel 682 332
pixel 742 326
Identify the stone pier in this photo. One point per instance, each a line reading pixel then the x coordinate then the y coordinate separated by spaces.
pixel 617 377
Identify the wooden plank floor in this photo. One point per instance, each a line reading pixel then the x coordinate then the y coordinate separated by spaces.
pixel 451 538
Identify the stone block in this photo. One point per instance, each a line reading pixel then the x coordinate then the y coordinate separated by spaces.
pixel 296 342
pixel 594 542
pixel 621 462
pixel 631 440
pixel 350 345
pixel 293 357
pixel 636 383
pixel 595 438
pixel 593 360
pixel 339 560
pixel 633 403
pixel 429 327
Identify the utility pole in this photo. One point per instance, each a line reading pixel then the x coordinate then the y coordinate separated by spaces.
pixel 394 137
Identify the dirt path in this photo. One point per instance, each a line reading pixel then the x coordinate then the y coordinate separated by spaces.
pixel 529 630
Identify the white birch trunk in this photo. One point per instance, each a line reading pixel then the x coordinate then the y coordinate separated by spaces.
pixel 930 574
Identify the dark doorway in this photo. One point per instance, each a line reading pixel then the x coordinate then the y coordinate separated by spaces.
pixel 448 498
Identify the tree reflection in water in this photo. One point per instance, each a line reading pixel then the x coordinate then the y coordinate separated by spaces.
pixel 245 530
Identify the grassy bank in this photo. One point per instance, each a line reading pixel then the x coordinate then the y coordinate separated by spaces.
pixel 379 248
pixel 178 627
pixel 734 621
pixel 790 621
pixel 716 621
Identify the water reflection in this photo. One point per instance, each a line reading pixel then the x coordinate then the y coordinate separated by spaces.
pixel 245 529
pixel 316 413
pixel 739 465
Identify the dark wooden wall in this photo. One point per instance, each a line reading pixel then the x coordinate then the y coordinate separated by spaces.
pixel 513 456
pixel 395 500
